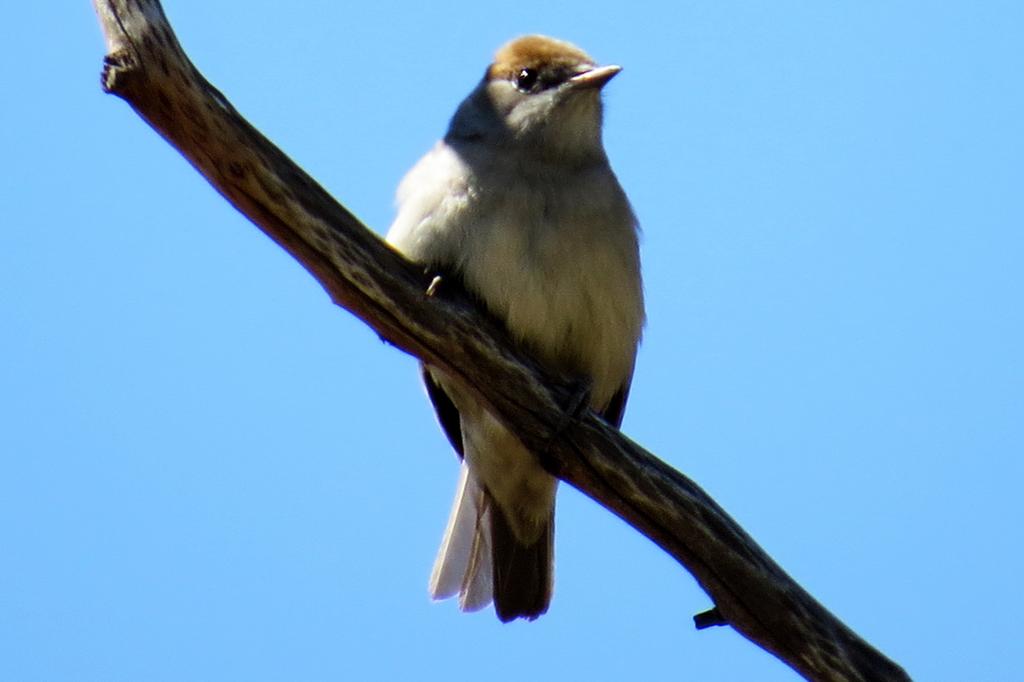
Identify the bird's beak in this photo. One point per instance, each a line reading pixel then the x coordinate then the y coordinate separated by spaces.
pixel 595 77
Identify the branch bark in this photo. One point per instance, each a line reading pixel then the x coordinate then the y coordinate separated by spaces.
pixel 146 66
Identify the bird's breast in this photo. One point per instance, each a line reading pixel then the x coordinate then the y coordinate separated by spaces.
pixel 553 254
pixel 559 266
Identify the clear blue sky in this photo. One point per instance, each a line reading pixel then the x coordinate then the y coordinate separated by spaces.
pixel 208 472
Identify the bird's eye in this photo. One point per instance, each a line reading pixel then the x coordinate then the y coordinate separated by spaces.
pixel 526 79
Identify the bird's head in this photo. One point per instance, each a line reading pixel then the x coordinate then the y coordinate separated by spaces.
pixel 540 96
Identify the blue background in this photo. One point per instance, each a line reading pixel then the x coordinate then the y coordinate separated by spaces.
pixel 208 472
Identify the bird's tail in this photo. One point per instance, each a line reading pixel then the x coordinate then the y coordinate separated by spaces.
pixel 523 573
pixel 463 564
pixel 481 559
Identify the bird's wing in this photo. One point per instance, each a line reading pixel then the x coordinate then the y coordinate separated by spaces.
pixel 447 413
pixel 617 406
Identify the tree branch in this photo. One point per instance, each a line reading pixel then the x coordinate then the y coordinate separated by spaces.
pixel 146 67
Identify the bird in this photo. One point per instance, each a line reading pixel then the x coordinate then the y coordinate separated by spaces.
pixel 518 203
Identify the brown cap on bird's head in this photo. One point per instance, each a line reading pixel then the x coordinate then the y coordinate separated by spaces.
pixel 536 52
pixel 538 62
